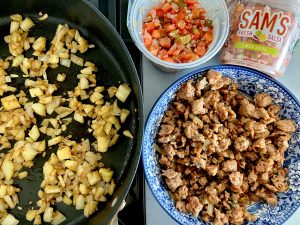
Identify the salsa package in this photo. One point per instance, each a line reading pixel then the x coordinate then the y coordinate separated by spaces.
pixel 262 35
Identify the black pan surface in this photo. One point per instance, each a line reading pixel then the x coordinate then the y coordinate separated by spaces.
pixel 114 66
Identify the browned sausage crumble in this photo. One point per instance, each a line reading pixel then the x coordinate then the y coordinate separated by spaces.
pixel 219 151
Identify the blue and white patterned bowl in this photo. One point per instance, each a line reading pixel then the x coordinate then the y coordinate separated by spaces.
pixel 251 82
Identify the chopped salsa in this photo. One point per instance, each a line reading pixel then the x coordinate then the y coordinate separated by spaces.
pixel 177 31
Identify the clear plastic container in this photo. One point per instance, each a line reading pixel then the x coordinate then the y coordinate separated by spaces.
pixel 216 11
pixel 262 34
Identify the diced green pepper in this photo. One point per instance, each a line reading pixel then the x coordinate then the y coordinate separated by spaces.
pixel 195 30
pixel 208 23
pixel 181 4
pixel 174 33
pixel 184 39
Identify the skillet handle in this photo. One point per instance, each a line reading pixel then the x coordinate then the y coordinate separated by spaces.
pixel 114 220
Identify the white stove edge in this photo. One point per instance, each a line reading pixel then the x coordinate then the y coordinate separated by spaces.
pixel 156 81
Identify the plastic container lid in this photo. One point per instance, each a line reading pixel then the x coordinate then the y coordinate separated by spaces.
pixel 216 11
pixel 262 35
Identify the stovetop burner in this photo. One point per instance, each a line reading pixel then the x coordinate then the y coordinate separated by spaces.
pixel 116 12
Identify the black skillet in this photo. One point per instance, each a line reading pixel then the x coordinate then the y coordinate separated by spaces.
pixel 114 65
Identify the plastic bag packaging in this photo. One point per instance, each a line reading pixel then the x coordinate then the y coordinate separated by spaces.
pixel 263 34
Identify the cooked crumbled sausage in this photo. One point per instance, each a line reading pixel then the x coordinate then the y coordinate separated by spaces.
pixel 173 179
pixel 164 161
pixel 165 130
pixel 170 152
pixel 259 143
pixel 281 186
pixel 183 192
pixel 220 218
pixel 214 199
pixel 261 113
pixel 219 151
pixel 212 97
pixel 262 100
pixel 236 178
pixel 211 190
pixel 203 181
pixel 273 109
pixel 201 84
pixel 194 205
pixel 191 131
pixel 264 166
pixel 179 107
pixel 229 166
pixel 241 143
pixel 197 107
pixel 186 92
pixel 271 188
pixel 213 76
pixel 287 126
pixel 164 140
pixel 246 109
pixel 181 206
pixel 222 111
pixel 212 169
pixel 170 174
pixel 252 177
pixel 236 216
pixel 269 197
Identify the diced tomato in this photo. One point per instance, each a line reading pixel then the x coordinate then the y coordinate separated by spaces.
pixel 149 27
pixel 173 11
pixel 189 26
pixel 197 22
pixel 181 14
pixel 147 39
pixel 174 21
pixel 169 27
pixel 167 59
pixel 202 43
pixel 154 51
pixel 190 2
pixel 172 49
pixel 152 13
pixel 181 24
pixel 160 13
pixel 196 13
pixel 156 24
pixel 203 17
pixel 180 46
pixel 165 42
pixel 162 32
pixel 156 34
pixel 166 7
pixel 191 57
pixel 190 7
pixel 162 53
pixel 184 32
pixel 200 50
pixel 188 55
pixel 176 52
pixel 208 37
pixel 203 11
pixel 196 36
pixel 167 20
